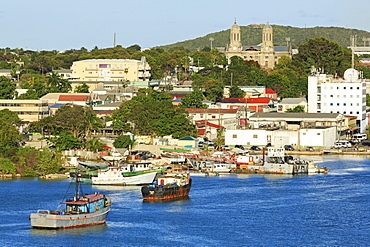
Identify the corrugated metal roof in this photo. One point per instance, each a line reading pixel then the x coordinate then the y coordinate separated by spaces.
pixel 258 100
pixel 74 97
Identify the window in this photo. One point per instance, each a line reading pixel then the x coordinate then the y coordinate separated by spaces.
pixel 344 96
pixel 351 88
pixel 358 112
pixel 235 136
pixel 331 104
pixel 350 112
pixel 304 134
pixel 358 88
pixel 318 134
pixel 318 89
pixel 338 96
pixel 344 87
pixel 331 96
pixel 255 136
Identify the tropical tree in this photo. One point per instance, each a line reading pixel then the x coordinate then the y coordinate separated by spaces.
pixel 123 141
pixel 94 144
pixel 7 88
pixel 7 167
pixel 298 108
pixel 49 162
pixel 193 100
pixel 328 56
pixel 236 92
pixel 82 88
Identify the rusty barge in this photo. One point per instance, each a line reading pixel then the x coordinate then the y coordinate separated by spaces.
pixel 168 187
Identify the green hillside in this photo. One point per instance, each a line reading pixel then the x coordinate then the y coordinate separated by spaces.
pixel 251 35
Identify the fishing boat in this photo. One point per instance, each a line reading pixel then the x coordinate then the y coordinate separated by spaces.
pixel 170 186
pixel 276 162
pixel 79 210
pixel 120 176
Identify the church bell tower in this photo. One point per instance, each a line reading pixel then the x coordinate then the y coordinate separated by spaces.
pixel 235 43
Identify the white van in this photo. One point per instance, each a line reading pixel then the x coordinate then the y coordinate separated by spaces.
pixel 345 143
pixel 360 137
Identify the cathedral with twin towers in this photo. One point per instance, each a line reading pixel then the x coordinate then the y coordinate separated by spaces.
pixel 266 54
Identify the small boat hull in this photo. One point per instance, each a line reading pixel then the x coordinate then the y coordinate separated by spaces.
pixel 47 219
pixel 146 178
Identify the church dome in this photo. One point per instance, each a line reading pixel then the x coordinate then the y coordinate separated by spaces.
pixel 235 26
pixel 267 26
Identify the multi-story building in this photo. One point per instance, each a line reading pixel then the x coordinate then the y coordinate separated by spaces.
pixel 266 54
pixel 27 110
pixel 111 70
pixel 328 94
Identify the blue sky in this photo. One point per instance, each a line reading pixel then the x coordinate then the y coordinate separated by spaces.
pixel 67 24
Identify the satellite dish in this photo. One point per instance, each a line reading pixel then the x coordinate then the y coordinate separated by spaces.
pixel 351 75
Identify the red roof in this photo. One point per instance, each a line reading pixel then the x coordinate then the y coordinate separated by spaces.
pixel 74 98
pixel 269 91
pixel 258 100
pixel 214 111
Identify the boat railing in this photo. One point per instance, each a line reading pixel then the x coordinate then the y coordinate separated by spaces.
pixel 43 211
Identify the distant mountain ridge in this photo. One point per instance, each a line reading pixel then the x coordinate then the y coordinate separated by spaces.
pixel 252 35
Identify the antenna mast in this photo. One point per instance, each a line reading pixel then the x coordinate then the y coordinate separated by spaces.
pixel 114 40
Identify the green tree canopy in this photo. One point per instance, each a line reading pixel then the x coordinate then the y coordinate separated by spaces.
pixel 193 100
pixel 7 88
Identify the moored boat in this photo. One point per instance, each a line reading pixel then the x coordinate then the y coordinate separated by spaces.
pixel 117 176
pixel 80 210
pixel 170 186
pixel 275 162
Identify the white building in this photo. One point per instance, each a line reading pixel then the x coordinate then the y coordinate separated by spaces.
pixel 338 95
pixel 278 138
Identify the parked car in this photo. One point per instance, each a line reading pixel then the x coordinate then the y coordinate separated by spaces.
pixel 289 148
pixel 239 146
pixel 346 144
pixel 339 145
pixel 255 148
pixel 225 147
pixel 360 137
pixel 310 149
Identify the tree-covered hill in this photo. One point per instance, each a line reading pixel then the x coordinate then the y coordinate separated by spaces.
pixel 251 35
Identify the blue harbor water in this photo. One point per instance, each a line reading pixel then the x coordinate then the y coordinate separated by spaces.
pixel 230 210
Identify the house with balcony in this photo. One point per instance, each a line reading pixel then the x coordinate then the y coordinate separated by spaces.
pixel 27 110
pixel 118 70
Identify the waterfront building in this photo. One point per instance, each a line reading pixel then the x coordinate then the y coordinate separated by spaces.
pixel 297 129
pixel 266 54
pixel 329 94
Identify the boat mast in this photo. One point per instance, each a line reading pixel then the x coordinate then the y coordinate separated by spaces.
pixel 77 184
